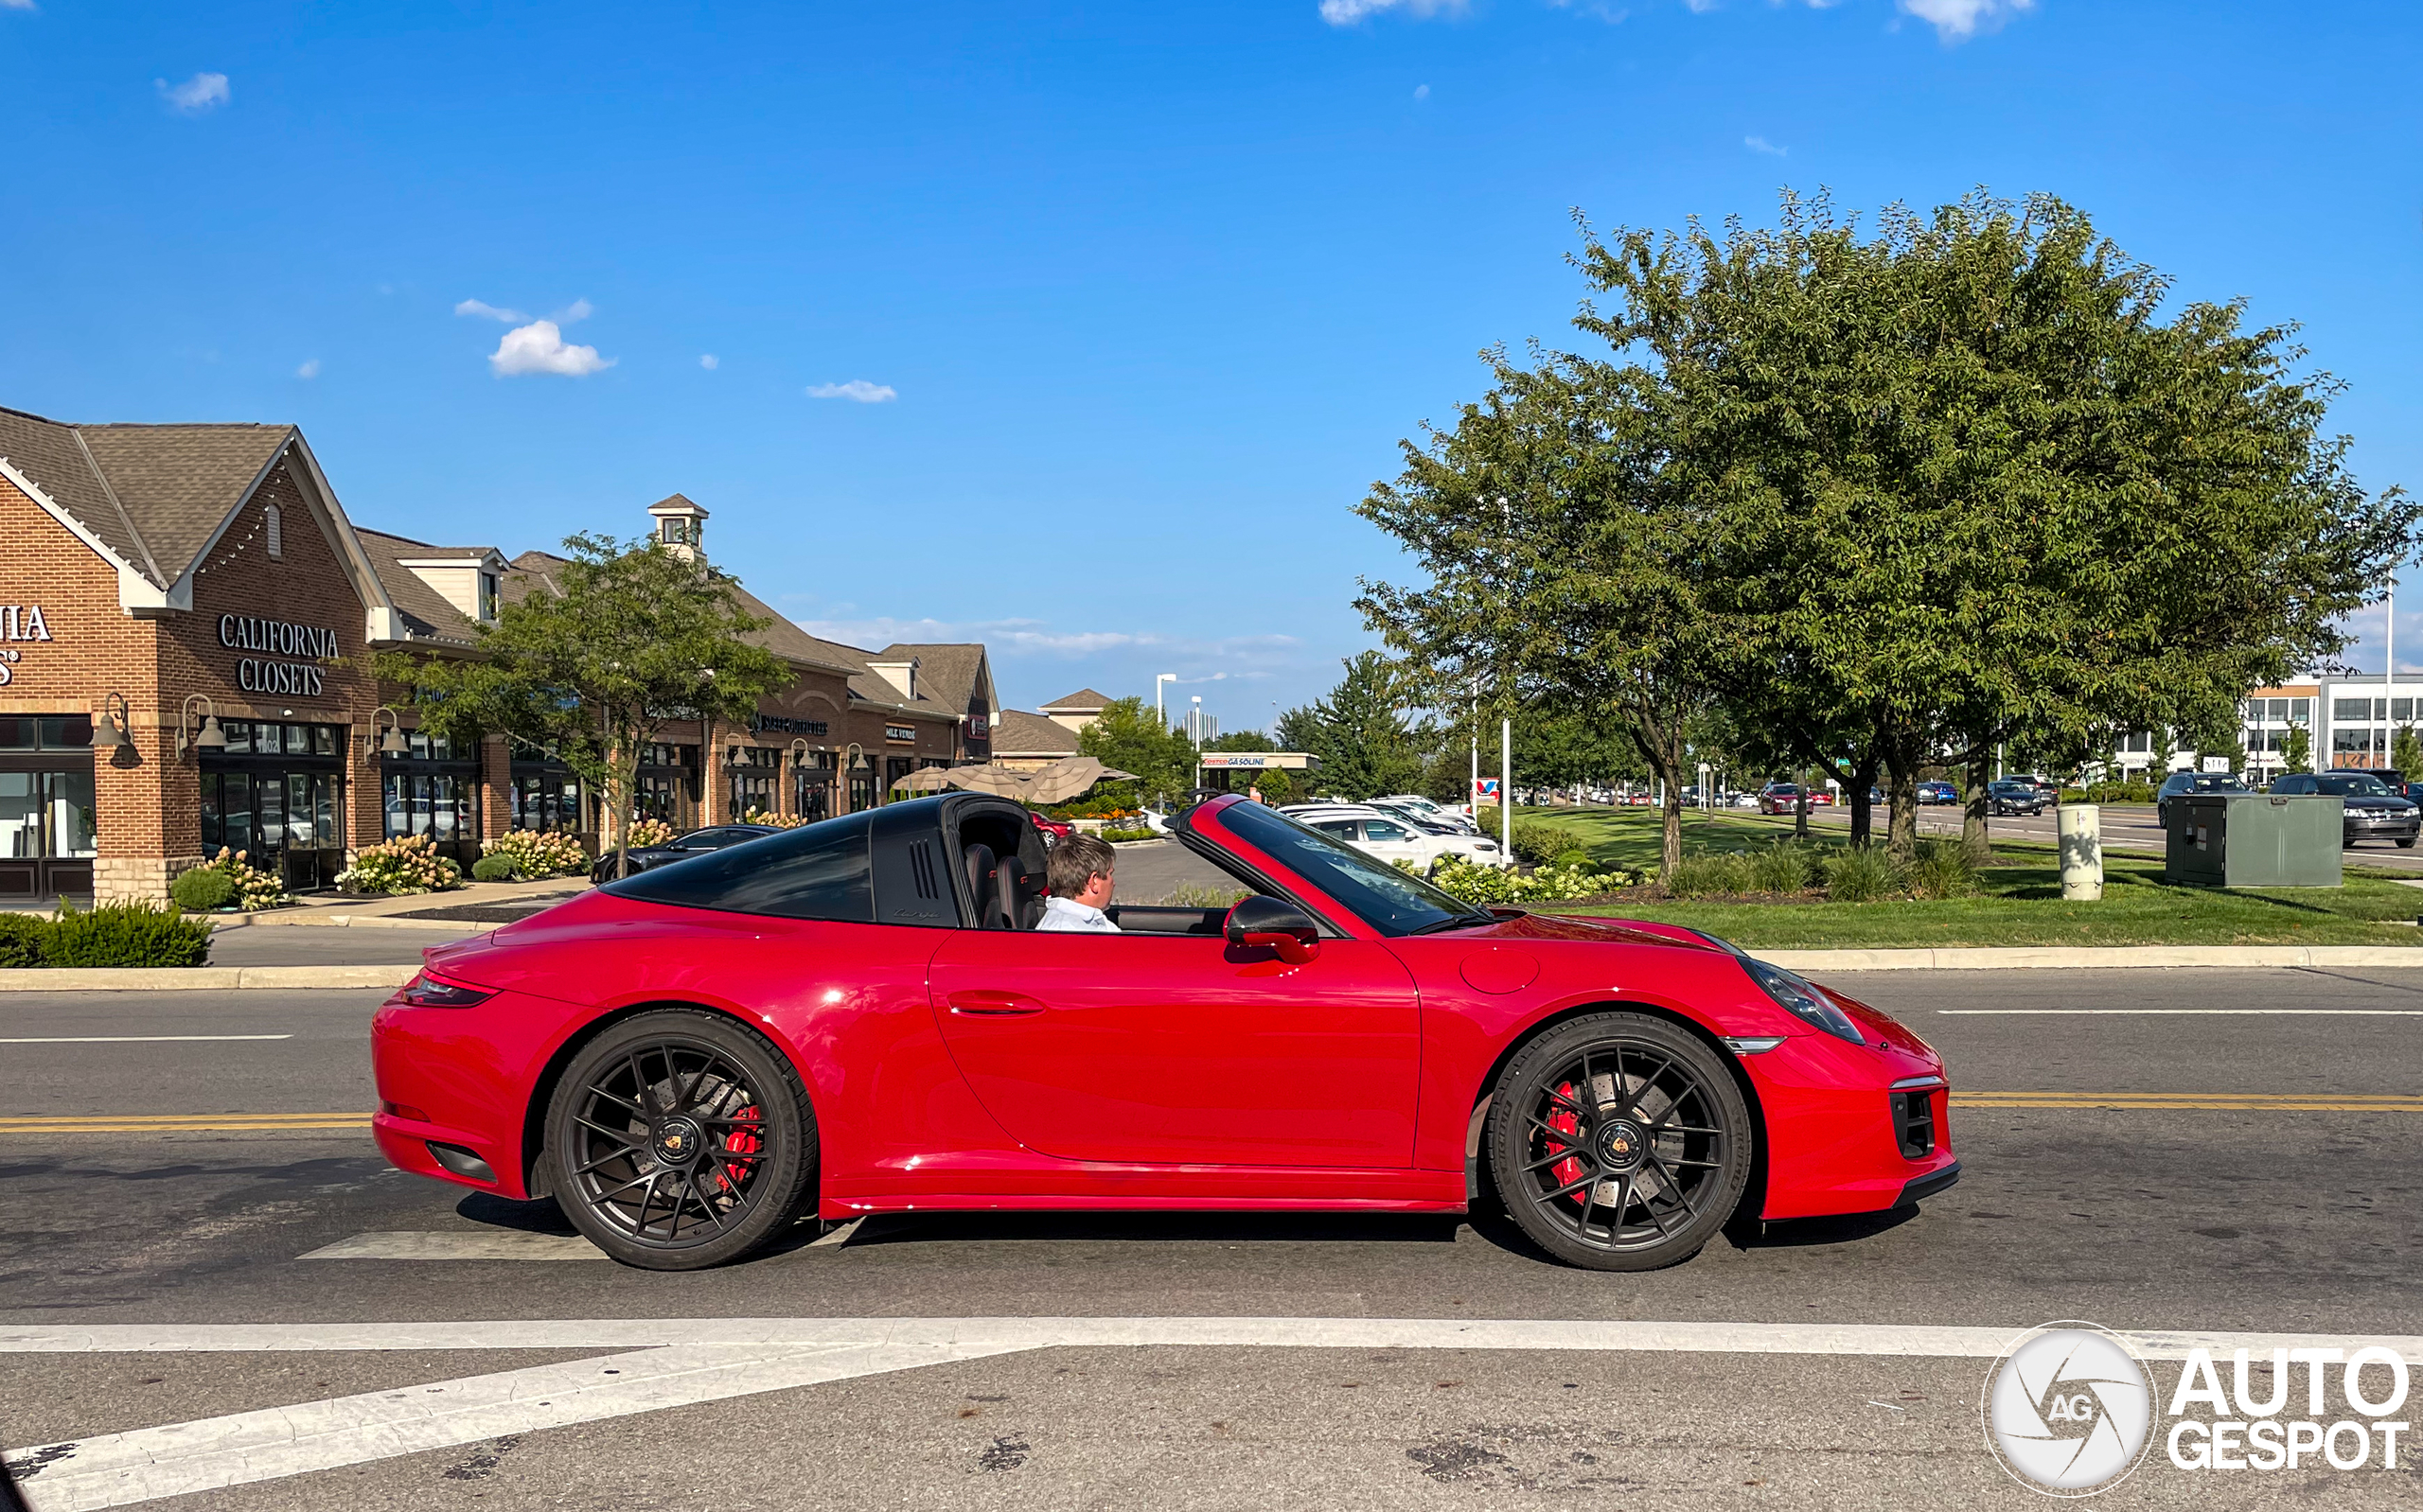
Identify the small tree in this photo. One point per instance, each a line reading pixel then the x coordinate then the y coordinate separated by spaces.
pixel 1129 737
pixel 2406 753
pixel 638 638
pixel 2297 750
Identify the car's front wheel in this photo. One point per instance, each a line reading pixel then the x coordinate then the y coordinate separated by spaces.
pixel 680 1140
pixel 1620 1142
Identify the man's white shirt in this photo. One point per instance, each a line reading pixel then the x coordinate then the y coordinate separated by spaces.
pixel 1067 916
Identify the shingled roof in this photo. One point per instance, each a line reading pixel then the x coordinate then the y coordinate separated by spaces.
pixel 1016 733
pixel 426 613
pixel 151 495
pixel 950 673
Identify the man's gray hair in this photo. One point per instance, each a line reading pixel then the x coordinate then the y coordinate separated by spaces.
pixel 1075 861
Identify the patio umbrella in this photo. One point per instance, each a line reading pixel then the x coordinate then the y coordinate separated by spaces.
pixel 925 779
pixel 998 781
pixel 1069 778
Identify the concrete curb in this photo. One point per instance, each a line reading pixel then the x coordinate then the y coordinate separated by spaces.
pixel 2107 957
pixel 369 921
pixel 197 978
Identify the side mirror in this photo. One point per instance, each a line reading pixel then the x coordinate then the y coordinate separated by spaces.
pixel 1274 923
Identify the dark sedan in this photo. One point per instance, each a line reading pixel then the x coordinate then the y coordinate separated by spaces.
pixel 681 848
pixel 2013 795
pixel 2181 783
pixel 2373 809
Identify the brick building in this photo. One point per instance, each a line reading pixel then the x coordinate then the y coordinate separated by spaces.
pixel 159 576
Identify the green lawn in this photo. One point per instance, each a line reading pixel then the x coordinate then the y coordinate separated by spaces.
pixel 2019 903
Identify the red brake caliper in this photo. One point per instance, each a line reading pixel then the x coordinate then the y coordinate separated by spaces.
pixel 740 1147
pixel 1562 1119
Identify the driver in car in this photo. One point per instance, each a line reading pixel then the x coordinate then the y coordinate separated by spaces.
pixel 1079 871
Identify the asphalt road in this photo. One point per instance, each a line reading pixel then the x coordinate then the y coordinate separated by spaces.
pixel 2293 1208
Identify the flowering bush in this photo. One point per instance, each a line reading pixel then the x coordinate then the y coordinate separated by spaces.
pixel 538 852
pixel 1485 885
pixel 256 890
pixel 408 864
pixel 646 832
pixel 780 822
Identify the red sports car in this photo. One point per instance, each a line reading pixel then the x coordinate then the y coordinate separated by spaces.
pixel 859 1016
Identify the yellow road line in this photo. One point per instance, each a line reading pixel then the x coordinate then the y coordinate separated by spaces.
pixel 185 1123
pixel 2207 1101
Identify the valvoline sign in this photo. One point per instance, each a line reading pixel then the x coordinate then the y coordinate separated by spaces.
pixel 1485 789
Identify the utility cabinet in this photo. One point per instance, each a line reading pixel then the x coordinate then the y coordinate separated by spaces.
pixel 2255 840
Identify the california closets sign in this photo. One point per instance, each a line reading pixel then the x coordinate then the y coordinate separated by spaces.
pixel 19 622
pixel 277 638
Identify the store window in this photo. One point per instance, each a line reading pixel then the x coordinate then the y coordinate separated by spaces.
pixel 432 788
pixel 276 792
pixel 754 774
pixel 2355 709
pixel 812 775
pixel 546 798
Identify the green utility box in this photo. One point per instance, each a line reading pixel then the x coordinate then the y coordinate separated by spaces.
pixel 2253 840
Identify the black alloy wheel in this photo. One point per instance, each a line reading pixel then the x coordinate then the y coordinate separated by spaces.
pixel 1620 1142
pixel 680 1139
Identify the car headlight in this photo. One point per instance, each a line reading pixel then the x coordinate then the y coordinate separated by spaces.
pixel 1801 998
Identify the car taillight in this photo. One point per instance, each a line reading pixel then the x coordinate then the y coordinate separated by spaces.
pixel 425 990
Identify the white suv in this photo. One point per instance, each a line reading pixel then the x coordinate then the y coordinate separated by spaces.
pixel 1393 839
pixel 1429 812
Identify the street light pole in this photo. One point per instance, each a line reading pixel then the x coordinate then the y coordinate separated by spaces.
pixel 1505 789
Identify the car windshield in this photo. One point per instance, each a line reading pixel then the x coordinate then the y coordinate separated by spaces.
pixel 2355 785
pixel 2219 784
pixel 1390 901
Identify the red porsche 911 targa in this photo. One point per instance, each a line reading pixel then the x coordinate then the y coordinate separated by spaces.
pixel 859 1016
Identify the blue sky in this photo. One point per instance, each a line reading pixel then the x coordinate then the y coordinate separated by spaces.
pixel 1078 328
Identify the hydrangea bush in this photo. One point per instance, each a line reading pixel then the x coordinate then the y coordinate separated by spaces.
pixel 648 832
pixel 408 864
pixel 256 890
pixel 538 852
pixel 780 822
pixel 1487 885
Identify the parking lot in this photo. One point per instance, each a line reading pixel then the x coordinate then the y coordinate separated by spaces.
pixel 202 1235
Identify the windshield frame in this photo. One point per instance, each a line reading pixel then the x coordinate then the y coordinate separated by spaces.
pixel 1346 864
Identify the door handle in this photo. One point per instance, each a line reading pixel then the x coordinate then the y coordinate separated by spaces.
pixel 994 1005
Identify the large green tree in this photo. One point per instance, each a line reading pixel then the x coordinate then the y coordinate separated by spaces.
pixel 1974 486
pixel 1129 736
pixel 640 637
pixel 1360 732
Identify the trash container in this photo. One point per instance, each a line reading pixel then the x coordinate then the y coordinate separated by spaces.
pixel 2253 840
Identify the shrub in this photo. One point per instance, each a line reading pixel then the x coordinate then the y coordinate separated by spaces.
pixel 648 832
pixel 202 890
pixel 494 868
pixel 127 934
pixel 1942 870
pixel 1573 860
pixel 21 936
pixel 1703 876
pixel 1861 873
pixel 408 864
pixel 535 854
pixel 254 888
pixel 1486 884
pixel 1540 844
pixel 1124 834
pixel 780 822
pixel 1196 895
pixel 1784 866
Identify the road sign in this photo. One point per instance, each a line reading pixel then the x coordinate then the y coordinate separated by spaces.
pixel 1485 789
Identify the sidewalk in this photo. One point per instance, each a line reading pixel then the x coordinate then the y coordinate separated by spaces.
pixel 333 911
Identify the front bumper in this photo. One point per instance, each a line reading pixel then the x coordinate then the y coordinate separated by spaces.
pixel 2396 827
pixel 1838 1124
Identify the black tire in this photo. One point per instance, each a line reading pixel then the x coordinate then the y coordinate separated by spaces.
pixel 1659 1137
pixel 680 1139
pixel 2407 844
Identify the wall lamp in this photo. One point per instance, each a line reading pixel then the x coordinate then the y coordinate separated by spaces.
pixel 394 744
pixel 110 734
pixel 209 737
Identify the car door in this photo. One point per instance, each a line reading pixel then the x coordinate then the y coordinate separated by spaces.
pixel 1393 842
pixel 1177 1049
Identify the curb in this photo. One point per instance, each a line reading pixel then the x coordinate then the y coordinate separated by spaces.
pixel 2107 957
pixel 370 920
pixel 197 978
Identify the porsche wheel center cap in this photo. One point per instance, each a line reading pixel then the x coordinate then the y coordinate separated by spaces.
pixel 1620 1144
pixel 679 1141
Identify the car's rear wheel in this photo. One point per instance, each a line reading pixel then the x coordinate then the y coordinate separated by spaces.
pixel 680 1139
pixel 1620 1142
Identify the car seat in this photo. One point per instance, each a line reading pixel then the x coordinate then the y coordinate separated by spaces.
pixel 1022 894
pixel 983 886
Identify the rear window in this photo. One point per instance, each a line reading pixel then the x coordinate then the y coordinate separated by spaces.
pixel 816 872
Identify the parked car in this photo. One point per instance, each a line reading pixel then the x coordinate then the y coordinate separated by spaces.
pixel 690 1061
pixel 2016 795
pixel 1425 809
pixel 1053 831
pixel 2178 783
pixel 2371 809
pixel 681 848
pixel 1936 794
pixel 1393 839
pixel 1780 797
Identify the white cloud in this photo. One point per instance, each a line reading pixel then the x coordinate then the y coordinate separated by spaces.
pixel 1422 91
pixel 1346 12
pixel 540 347
pixel 1760 143
pixel 1038 636
pixel 708 361
pixel 577 310
pixel 487 312
pixel 857 391
pixel 1959 20
pixel 16 5
pixel 309 370
pixel 195 95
